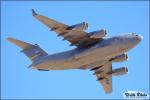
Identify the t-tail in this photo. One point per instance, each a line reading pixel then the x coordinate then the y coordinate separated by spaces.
pixel 33 52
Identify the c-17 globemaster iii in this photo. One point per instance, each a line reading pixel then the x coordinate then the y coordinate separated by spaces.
pixel 94 51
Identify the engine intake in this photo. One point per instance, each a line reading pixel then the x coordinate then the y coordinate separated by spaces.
pixel 120 71
pixel 98 34
pixel 81 26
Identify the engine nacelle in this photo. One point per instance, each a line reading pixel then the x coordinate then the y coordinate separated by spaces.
pixel 98 34
pixel 120 71
pixel 120 58
pixel 81 26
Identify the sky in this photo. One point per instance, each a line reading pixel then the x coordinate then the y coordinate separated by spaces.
pixel 20 82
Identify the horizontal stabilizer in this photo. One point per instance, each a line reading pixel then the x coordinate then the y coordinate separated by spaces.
pixel 34 52
pixel 19 43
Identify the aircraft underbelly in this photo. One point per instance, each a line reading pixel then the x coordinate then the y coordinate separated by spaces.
pixel 88 59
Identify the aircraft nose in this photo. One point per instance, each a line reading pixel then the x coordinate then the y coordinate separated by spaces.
pixel 137 37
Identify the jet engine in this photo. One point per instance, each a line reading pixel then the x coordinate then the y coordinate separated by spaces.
pixel 98 34
pixel 120 58
pixel 120 71
pixel 81 26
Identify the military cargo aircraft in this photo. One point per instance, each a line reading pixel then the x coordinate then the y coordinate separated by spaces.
pixel 94 51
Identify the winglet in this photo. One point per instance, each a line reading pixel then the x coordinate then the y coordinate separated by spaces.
pixel 19 43
pixel 33 12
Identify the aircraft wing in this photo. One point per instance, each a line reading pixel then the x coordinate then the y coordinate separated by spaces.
pixel 52 24
pixel 75 37
pixel 104 76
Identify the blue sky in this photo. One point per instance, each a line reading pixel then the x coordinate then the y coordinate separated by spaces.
pixel 19 82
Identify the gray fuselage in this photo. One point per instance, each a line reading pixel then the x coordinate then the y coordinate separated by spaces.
pixel 84 58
